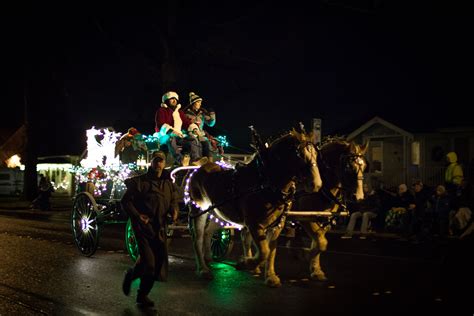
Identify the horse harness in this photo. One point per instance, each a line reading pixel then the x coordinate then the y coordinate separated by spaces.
pixel 281 197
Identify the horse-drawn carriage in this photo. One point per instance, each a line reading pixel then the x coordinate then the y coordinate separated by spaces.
pixel 100 187
pixel 258 196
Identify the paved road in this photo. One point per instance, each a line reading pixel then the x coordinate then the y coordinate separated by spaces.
pixel 44 274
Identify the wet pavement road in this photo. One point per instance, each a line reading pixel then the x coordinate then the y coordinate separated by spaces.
pixel 42 273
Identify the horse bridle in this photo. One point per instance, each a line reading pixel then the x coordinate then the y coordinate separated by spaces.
pixel 346 162
pixel 314 154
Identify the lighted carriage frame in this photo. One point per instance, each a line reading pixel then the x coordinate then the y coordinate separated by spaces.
pixel 102 188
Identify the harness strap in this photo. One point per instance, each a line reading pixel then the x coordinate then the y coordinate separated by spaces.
pixel 210 208
pixel 332 198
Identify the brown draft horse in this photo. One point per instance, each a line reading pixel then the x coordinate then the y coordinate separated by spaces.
pixel 254 195
pixel 342 166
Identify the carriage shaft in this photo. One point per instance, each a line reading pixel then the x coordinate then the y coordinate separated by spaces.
pixel 315 213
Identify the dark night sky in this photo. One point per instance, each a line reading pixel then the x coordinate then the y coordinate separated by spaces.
pixel 261 64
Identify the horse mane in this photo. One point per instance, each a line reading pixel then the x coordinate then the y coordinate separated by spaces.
pixel 301 137
pixel 275 139
pixel 336 144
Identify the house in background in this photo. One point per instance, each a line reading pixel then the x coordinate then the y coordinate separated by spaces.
pixel 57 168
pixel 396 155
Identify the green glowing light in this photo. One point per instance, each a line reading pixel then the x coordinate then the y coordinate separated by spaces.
pixel 222 140
pixel 221 244
pixel 130 241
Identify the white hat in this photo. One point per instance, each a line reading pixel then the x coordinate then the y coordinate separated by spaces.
pixel 169 95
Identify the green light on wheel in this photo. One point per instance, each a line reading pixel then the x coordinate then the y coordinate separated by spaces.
pixel 131 242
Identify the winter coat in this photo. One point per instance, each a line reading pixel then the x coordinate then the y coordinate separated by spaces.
pixel 454 173
pixel 173 117
pixel 151 196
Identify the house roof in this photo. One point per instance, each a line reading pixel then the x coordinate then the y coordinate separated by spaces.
pixel 5 134
pixel 15 144
pixel 381 121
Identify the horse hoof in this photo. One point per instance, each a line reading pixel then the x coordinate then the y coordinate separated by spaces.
pixel 273 281
pixel 319 276
pixel 257 270
pixel 206 275
pixel 240 265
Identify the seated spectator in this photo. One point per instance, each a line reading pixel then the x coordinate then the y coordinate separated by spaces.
pixel 462 206
pixel 413 219
pixel 438 211
pixel 403 202
pixel 367 209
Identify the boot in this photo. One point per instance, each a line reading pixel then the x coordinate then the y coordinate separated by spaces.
pixel 146 283
pixel 127 281
pixel 144 301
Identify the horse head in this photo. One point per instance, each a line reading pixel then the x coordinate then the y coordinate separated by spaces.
pixel 343 164
pixel 294 157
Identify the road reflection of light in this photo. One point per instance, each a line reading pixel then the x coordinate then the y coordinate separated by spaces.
pixel 226 280
pixel 175 260
pixel 85 265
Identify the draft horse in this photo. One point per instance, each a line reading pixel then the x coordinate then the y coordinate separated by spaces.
pixel 342 166
pixel 254 195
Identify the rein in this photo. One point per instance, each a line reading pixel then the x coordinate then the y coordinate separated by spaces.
pixel 264 183
pixel 235 197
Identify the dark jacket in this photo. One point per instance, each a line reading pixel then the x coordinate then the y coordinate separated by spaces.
pixel 440 206
pixel 152 196
pixel 421 200
pixel 404 200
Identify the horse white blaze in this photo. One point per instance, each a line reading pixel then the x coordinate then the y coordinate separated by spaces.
pixel 360 163
pixel 316 177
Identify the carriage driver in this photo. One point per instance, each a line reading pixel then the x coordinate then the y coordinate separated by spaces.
pixel 170 119
pixel 148 200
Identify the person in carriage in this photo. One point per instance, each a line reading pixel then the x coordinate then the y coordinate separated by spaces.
pixel 130 146
pixel 170 120
pixel 200 139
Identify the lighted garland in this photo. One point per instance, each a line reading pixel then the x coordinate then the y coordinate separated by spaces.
pixel 100 177
pixel 222 140
pixel 102 166
pixel 212 215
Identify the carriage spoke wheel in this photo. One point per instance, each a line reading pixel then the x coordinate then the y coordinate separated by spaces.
pixel 130 241
pixel 85 226
pixel 222 242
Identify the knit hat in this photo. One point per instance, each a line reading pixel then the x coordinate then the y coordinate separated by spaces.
pixel 159 156
pixel 132 131
pixel 168 95
pixel 193 97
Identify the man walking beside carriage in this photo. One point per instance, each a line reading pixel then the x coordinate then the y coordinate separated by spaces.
pixel 148 200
